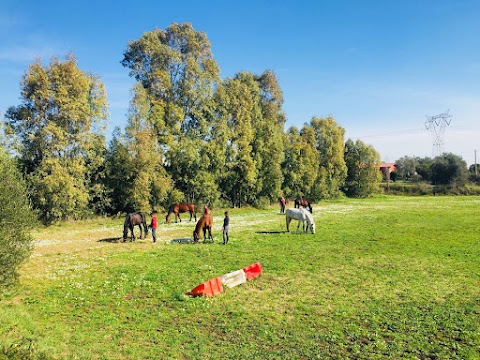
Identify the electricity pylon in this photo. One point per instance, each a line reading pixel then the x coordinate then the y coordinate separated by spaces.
pixel 437 124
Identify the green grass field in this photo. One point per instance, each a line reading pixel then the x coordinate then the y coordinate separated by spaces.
pixel 382 278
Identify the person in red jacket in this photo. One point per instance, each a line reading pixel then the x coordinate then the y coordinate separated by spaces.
pixel 153 226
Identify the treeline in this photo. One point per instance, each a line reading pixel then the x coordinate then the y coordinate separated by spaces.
pixel 446 169
pixel 189 136
pixel 444 174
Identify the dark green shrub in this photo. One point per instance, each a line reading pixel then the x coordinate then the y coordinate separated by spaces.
pixel 16 219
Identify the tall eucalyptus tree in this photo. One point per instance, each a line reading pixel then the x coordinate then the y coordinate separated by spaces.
pixel 177 70
pixel 269 136
pixel 363 175
pixel 59 127
pixel 237 107
pixel 331 171
pixel 300 163
pixel 150 184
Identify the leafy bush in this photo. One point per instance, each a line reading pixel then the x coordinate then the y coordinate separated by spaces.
pixel 423 188
pixel 407 188
pixel 15 240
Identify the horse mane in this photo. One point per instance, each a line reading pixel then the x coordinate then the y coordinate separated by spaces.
pixel 203 221
pixel 309 216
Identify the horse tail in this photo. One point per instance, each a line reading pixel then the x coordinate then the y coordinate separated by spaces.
pixel 144 223
pixel 194 211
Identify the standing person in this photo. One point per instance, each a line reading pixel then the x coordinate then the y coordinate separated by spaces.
pixel 282 205
pixel 153 225
pixel 206 211
pixel 226 223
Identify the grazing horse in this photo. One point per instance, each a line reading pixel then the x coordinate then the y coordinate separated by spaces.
pixel 301 201
pixel 303 216
pixel 178 208
pixel 205 224
pixel 135 219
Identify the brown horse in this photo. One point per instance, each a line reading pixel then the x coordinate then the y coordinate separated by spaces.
pixel 135 219
pixel 179 208
pixel 204 223
pixel 301 201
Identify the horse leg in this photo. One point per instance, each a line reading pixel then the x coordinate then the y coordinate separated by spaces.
pixel 210 233
pixel 288 219
pixel 298 226
pixel 179 218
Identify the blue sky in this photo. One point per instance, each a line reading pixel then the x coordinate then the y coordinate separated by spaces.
pixel 378 67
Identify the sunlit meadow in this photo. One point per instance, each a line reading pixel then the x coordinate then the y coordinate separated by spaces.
pixel 382 278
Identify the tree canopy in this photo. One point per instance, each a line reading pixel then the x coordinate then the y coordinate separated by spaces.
pixel 449 169
pixel 363 175
pixel 58 128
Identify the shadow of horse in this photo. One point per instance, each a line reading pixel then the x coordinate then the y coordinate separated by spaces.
pixel 185 240
pixel 111 240
pixel 271 232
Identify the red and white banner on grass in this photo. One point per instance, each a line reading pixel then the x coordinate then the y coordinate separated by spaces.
pixel 215 286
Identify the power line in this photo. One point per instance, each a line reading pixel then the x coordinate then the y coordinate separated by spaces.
pixel 399 132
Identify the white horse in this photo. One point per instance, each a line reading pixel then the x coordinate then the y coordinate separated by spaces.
pixel 303 216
